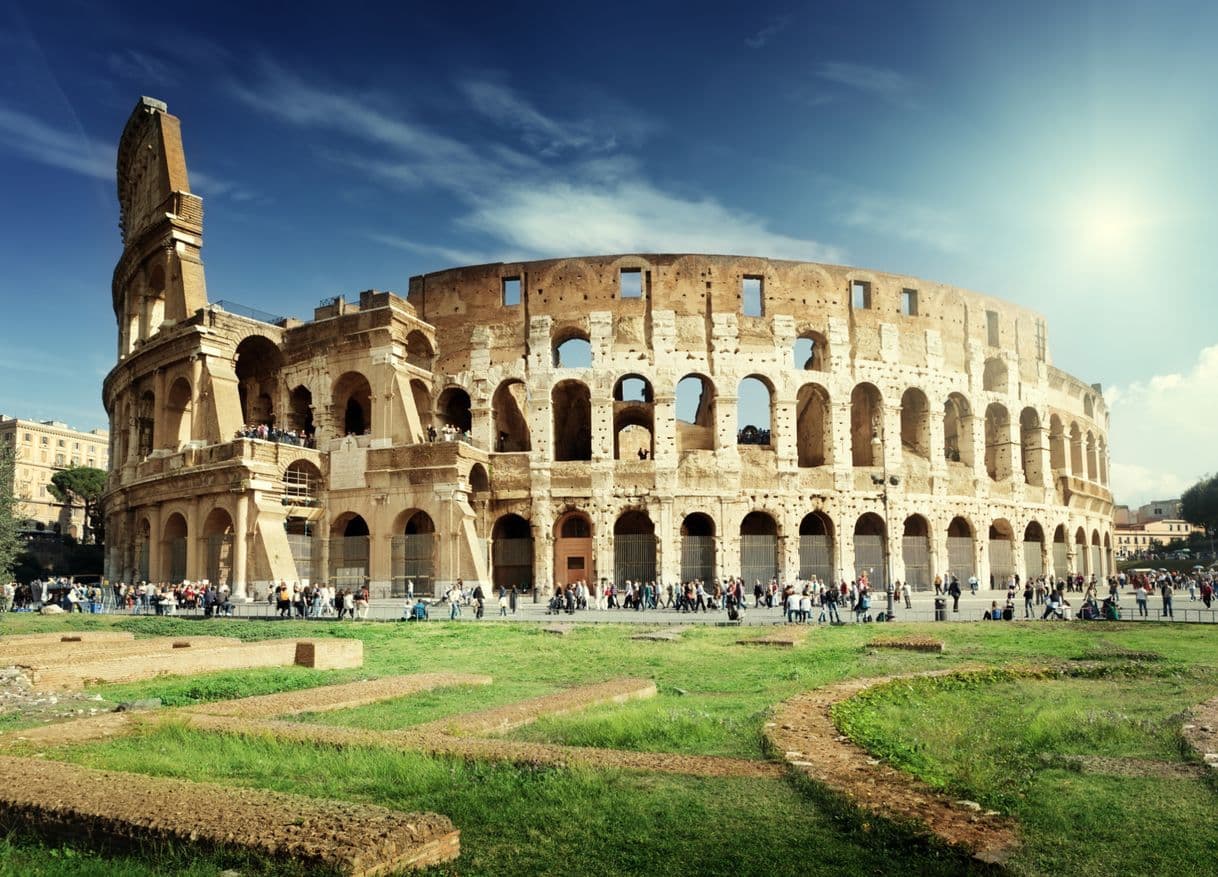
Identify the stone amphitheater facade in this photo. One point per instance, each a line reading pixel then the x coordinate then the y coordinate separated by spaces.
pixel 603 418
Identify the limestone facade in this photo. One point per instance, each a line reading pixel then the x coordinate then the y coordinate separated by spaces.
pixel 604 418
pixel 41 448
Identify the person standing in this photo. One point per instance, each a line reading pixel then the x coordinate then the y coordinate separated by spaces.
pixel 512 600
pixel 1028 595
pixel 1167 591
pixel 954 591
pixel 1139 596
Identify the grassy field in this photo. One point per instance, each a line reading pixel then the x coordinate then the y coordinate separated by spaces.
pixel 990 738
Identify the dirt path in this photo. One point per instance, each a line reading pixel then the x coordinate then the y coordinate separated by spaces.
pixel 804 732
pixel 327 698
pixel 1201 733
pixel 785 638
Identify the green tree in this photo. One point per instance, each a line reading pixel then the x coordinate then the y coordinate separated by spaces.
pixel 9 544
pixel 1199 504
pixel 81 485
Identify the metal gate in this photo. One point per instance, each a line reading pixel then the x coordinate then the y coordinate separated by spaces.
pixel 915 550
pixel 959 558
pixel 758 559
pixel 413 559
pixel 816 558
pixel 634 558
pixel 301 546
pixel 697 558
pixel 1002 563
pixel 1061 559
pixel 512 563
pixel 1033 559
pixel 176 551
pixel 869 558
pixel 349 561
pixel 219 558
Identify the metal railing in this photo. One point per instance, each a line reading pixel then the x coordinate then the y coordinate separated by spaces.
pixel 240 310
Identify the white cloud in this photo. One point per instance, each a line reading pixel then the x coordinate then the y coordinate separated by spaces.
pixel 1162 431
pixel 896 218
pixel 448 255
pixel 771 29
pixel 32 138
pixel 882 82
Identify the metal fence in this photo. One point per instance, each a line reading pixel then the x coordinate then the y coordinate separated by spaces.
pixel 176 550
pixel 816 558
pixel 1033 559
pixel 697 558
pixel 1061 559
pixel 869 558
pixel 219 560
pixel 349 561
pixel 301 547
pixel 758 558
pixel 960 557
pixel 413 559
pixel 634 558
pixel 1002 562
pixel 915 550
pixel 512 563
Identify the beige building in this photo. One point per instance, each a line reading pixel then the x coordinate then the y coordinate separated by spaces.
pixel 604 418
pixel 40 449
pixel 1132 540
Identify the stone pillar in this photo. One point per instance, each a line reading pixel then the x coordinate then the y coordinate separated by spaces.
pixel 240 547
pixel 727 452
pixel 154 543
pixel 664 430
pixel 321 550
pixel 158 416
pixel 668 547
pixel 380 548
pixel 194 570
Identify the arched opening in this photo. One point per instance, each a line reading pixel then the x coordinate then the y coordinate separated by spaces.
pixel 218 536
pixel 758 548
pixel 1092 468
pixel 695 410
pixel 915 423
pixel 1082 557
pixel 145 419
pixel 866 426
pixel 453 409
pixel 300 401
pixel 300 533
pixel 511 426
pixel 994 378
pixel 512 553
pixel 869 555
pixel 816 547
pixel 419 351
pixel 812 418
pixel 1057 445
pixel 421 396
pixel 1033 551
pixel 915 551
pixel 479 480
pixel 633 419
pixel 1076 451
pixel 258 364
pixel 574 350
pixel 413 554
pixel 573 549
pixel 1031 447
pixel 958 430
pixel 173 550
pixel 143 542
pixel 302 484
pixel 697 548
pixel 811 351
pixel 1002 553
pixel 1097 558
pixel 997 442
pixel 1102 455
pixel 754 412
pixel 960 555
pixel 634 548
pixel 353 403
pixel 179 413
pixel 349 551
pixel 1061 551
pixel 571 403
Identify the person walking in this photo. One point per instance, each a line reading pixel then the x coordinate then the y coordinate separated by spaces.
pixel 1028 595
pixel 954 591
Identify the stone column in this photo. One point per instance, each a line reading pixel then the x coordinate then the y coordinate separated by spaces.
pixel 194 570
pixel 321 550
pixel 668 547
pixel 664 430
pixel 154 543
pixel 240 547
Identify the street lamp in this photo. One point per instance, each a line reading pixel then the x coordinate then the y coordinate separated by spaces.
pixel 883 482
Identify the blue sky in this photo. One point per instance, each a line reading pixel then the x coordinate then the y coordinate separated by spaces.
pixel 1055 154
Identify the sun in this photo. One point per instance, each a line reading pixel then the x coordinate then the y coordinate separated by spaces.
pixel 1108 225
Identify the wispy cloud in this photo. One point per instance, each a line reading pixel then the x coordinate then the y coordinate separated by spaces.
pixel 448 255
pixel 142 67
pixel 896 218
pixel 771 29
pixel 1162 431
pixel 880 82
pixel 578 194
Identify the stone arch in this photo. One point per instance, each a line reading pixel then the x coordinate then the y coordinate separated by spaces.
pixel 1092 468
pixel 1057 444
pixel 258 361
pixel 179 414
pixel 1030 446
pixel 1002 552
pixel 695 413
pixel 300 405
pixel 479 480
pixel 302 483
pixel 961 556
pixel 866 425
pixel 997 442
pixel 511 425
pixel 353 403
pixel 915 423
pixel 758 547
pixel 995 375
pixel 958 430
pixel 218 537
pixel 571 404
pixel 634 547
pixel 816 547
pixel 572 348
pixel 751 427
pixel 419 350
pixel 174 534
pixel 573 556
pixel 870 551
pixel 1076 450
pixel 698 547
pixel 633 418
pixel 420 394
pixel 512 553
pixel 1033 550
pixel 412 552
pixel 349 549
pixel 916 552
pixel 813 417
pixel 145 420
pixel 1061 551
pixel 453 409
pixel 811 351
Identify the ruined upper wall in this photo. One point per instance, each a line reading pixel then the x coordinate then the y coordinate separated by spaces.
pixel 151 167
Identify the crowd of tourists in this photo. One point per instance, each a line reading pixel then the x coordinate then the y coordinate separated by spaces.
pixel 319 601
pixel 266 433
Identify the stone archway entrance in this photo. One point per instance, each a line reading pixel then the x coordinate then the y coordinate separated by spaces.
pixel 573 549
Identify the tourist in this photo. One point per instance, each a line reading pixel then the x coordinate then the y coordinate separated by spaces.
pixel 954 591
pixel 1139 596
pixel 1166 591
pixel 1028 594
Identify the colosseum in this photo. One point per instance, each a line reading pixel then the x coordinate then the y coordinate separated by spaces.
pixel 637 416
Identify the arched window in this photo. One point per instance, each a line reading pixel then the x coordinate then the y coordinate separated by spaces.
pixel 301 484
pixel 915 551
pixel 997 442
pixel 869 555
pixel 811 351
pixel 816 548
pixel 571 403
pixel 958 430
pixel 633 419
pixel 994 378
pixel 697 548
pixel 634 548
pixel 1002 553
pixel 419 351
pixel 512 553
pixel 258 364
pixel 813 435
pixel 915 423
pixel 179 414
pixel 1057 445
pixel 960 559
pixel 574 350
pixel 454 409
pixel 754 409
pixel 1031 446
pixel 1033 550
pixel 173 550
pixel 413 550
pixel 301 402
pixel 758 548
pixel 695 410
pixel 1092 467
pixel 353 403
pixel 866 426
pixel 511 426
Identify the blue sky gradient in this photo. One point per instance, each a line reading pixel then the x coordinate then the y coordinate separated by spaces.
pixel 1058 155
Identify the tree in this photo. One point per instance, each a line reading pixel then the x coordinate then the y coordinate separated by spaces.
pixel 82 485
pixel 9 543
pixel 1199 504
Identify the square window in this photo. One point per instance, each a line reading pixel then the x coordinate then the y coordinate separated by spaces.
pixel 575 562
pixel 45 441
pixel 860 295
pixel 61 443
pixel 991 328
pixel 28 437
pixel 751 288
pixel 511 291
pixel 909 302
pixel 630 283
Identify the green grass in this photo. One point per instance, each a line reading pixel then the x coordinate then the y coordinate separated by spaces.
pixel 982 741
